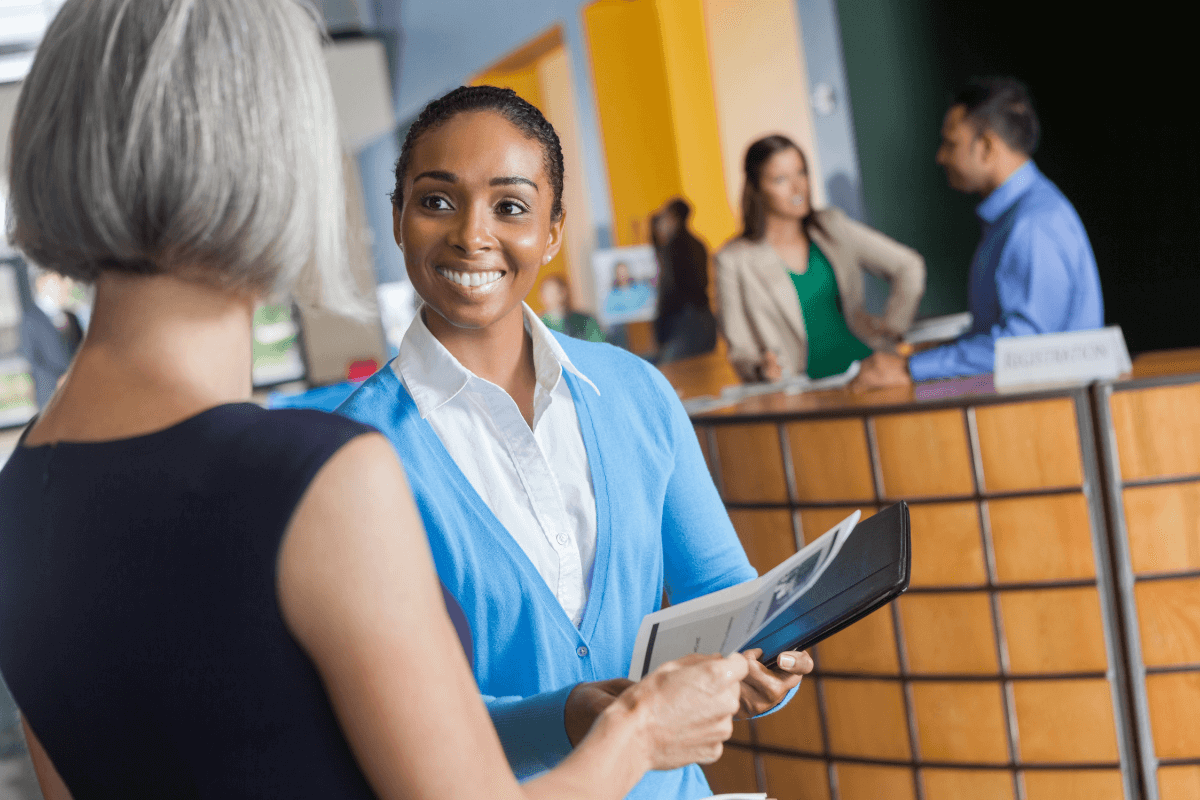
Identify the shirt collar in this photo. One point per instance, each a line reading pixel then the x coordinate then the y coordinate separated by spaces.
pixel 1006 194
pixel 549 359
pixel 433 376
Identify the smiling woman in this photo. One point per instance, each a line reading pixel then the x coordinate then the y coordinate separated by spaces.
pixel 242 600
pixel 560 481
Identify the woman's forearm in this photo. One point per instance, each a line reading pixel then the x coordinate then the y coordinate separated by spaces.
pixel 606 765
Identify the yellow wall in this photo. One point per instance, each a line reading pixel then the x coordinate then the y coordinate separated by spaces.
pixel 682 87
pixel 657 114
pixel 694 118
pixel 760 83
pixel 634 106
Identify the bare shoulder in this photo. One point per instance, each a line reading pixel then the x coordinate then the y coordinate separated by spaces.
pixel 355 526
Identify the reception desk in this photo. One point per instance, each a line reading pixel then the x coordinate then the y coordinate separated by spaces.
pixel 1049 644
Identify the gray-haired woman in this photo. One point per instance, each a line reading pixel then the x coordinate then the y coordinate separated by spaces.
pixel 200 598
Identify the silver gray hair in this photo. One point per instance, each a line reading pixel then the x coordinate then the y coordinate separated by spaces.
pixel 192 137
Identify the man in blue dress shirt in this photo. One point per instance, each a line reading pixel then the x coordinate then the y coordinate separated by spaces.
pixel 1033 271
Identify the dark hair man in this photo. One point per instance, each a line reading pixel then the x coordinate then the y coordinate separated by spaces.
pixel 1033 271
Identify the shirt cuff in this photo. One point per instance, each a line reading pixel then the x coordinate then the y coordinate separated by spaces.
pixel 787 698
pixel 925 365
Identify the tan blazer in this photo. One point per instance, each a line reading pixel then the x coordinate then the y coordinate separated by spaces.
pixel 758 309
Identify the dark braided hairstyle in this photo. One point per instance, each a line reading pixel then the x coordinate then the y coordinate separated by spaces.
pixel 524 115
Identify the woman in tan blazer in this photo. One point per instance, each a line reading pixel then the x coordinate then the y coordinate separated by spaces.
pixel 790 287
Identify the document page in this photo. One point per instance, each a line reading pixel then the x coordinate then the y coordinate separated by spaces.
pixel 722 622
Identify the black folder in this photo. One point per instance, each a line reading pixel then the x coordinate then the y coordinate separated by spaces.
pixel 871 569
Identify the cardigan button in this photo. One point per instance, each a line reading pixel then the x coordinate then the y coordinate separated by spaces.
pixel 582 651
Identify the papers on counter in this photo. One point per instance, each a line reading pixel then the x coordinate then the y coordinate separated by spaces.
pixel 939 329
pixel 732 395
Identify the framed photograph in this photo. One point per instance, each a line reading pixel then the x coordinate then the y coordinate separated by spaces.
pixel 626 284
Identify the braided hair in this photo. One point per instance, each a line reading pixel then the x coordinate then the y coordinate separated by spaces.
pixel 524 115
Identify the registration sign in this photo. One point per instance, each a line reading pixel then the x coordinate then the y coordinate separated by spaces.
pixel 1075 357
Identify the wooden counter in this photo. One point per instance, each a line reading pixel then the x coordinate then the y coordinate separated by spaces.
pixel 1150 447
pixel 1008 670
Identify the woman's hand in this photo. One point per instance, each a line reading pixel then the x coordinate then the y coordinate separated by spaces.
pixel 763 688
pixel 685 708
pixel 864 320
pixel 586 702
pixel 881 370
pixel 769 367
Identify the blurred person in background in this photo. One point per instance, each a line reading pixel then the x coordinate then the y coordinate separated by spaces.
pixel 53 293
pixel 42 343
pixel 558 316
pixel 684 324
pixel 1033 271
pixel 790 286
pixel 200 598
pixel 561 482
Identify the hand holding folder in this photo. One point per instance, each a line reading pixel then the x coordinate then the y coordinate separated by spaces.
pixel 835 580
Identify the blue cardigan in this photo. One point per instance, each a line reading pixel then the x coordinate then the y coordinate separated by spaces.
pixel 660 525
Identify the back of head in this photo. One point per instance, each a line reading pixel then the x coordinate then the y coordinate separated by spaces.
pixel 191 137
pixel 680 209
pixel 1003 106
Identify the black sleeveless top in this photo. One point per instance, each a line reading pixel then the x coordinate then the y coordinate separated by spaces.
pixel 140 632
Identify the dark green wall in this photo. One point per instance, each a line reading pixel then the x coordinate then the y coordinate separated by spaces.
pixel 899 97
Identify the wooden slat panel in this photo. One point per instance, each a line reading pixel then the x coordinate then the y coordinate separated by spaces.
pixel 868 645
pixel 1169 618
pixel 1065 721
pixel 702 437
pixel 949 633
pixel 961 722
pixel 796 726
pixel 947 549
pixel 734 771
pixel 816 521
pixel 767 536
pixel 863 782
pixel 1080 784
pixel 1179 783
pixel 1029 445
pixel 822 476
pixel 751 463
pixel 866 719
pixel 796 778
pixel 1174 707
pixel 924 454
pixel 741 732
pixel 1054 630
pixel 1042 538
pixel 960 784
pixel 1163 523
pixel 1157 431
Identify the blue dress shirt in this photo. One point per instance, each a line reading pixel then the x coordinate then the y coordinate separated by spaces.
pixel 1033 272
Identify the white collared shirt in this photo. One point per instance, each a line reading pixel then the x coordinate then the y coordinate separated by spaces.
pixel 536 481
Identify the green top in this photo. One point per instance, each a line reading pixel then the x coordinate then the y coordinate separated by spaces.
pixel 575 325
pixel 831 345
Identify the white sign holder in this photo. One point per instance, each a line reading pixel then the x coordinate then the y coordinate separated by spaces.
pixel 1056 358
